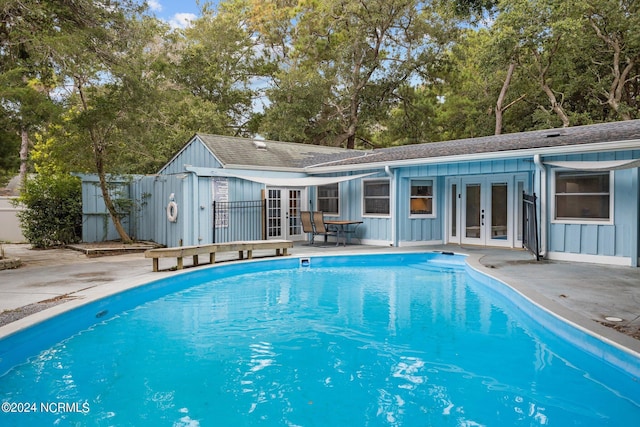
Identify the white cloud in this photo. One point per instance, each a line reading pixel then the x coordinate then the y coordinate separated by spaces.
pixel 154 5
pixel 182 20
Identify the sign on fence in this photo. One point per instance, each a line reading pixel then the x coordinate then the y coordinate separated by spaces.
pixel 221 194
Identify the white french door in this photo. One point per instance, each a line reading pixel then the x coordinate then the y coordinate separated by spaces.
pixel 484 210
pixel 283 213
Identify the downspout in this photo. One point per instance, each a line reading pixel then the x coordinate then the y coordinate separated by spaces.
pixel 392 205
pixel 543 204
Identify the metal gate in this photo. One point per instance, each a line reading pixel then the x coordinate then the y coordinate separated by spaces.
pixel 530 238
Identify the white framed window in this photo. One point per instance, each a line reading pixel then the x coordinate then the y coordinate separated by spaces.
pixel 329 199
pixel 583 197
pixel 421 198
pixel 376 197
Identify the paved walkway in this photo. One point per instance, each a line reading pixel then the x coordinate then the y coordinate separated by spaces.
pixel 585 294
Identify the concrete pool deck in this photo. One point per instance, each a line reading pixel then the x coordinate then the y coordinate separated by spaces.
pixel 55 280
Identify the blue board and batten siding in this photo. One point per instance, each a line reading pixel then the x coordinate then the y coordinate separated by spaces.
pixel 194 225
pixel 198 195
pixel 153 194
pixel 416 229
pixel 193 154
pixel 375 229
pixel 148 198
pixel 378 229
pixel 619 239
pixel 239 190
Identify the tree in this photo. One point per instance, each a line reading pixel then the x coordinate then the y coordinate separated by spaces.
pixel 541 31
pixel 9 148
pixel 615 25
pixel 477 87
pixel 218 63
pixel 351 56
pixel 412 120
pixel 70 44
pixel 26 76
pixel 109 88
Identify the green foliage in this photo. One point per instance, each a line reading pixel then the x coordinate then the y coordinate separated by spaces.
pixel 110 90
pixel 217 62
pixel 53 210
pixel 9 159
pixel 344 63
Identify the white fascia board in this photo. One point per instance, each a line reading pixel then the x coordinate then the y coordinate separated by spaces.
pixel 492 155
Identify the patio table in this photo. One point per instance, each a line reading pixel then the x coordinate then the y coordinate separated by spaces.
pixel 342 227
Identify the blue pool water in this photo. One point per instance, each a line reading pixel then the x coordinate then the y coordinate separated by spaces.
pixel 351 341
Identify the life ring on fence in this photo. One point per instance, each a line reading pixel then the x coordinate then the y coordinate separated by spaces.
pixel 172 211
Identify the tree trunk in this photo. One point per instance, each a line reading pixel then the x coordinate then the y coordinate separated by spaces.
pixel 543 66
pixel 555 106
pixel 614 95
pixel 98 154
pixel 24 155
pixel 108 202
pixel 503 94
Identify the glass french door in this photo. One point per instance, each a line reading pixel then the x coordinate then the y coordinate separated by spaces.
pixel 283 213
pixel 484 210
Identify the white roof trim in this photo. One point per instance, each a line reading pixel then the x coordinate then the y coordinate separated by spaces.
pixel 604 165
pixel 305 181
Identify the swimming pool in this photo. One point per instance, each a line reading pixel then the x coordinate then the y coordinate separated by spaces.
pixel 403 339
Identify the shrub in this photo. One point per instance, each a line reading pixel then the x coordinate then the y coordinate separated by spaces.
pixel 52 214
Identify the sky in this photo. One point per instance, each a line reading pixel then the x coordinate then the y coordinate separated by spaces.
pixel 176 12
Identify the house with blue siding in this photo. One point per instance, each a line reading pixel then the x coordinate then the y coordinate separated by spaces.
pixel 462 192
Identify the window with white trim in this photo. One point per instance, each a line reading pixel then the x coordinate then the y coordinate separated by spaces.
pixel 376 197
pixel 421 200
pixel 583 196
pixel 329 198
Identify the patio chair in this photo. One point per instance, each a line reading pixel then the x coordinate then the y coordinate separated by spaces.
pixel 320 228
pixel 307 225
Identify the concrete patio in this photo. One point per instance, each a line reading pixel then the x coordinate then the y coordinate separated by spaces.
pixel 51 281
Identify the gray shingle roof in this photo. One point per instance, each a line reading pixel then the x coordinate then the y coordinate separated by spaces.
pixel 288 155
pixel 571 136
pixel 276 154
